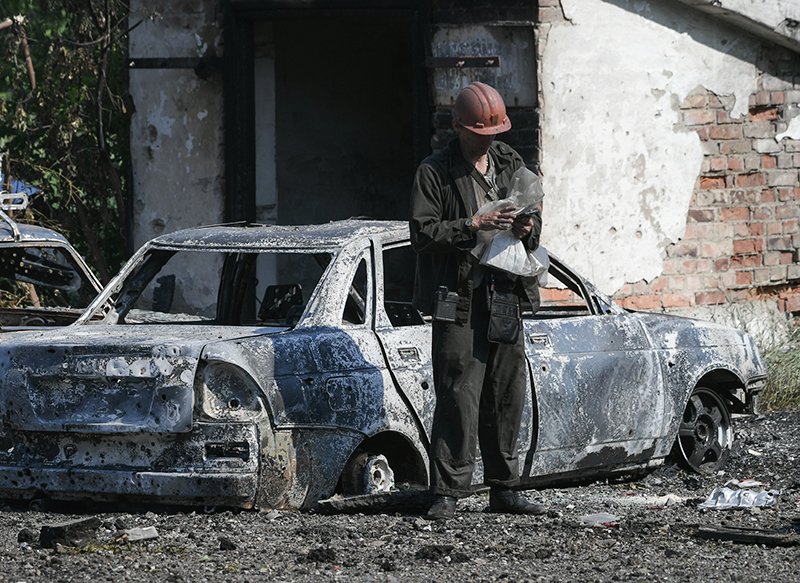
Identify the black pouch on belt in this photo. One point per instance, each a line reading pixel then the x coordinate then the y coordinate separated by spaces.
pixel 504 318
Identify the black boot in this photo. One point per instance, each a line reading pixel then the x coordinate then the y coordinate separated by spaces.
pixel 443 507
pixel 512 502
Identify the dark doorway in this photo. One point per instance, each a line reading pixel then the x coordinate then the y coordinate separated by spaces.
pixel 344 117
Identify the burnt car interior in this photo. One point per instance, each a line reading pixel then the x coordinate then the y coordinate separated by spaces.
pixel 40 286
pixel 242 288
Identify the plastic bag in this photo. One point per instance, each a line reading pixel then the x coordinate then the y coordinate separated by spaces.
pixel 501 249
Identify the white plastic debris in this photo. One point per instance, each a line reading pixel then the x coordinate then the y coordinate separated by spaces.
pixel 726 498
pixel 138 534
pixel 600 519
pixel 749 483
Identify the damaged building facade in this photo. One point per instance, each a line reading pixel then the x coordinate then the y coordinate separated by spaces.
pixel 667 132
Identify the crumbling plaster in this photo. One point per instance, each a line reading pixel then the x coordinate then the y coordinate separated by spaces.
pixel 619 167
pixel 176 128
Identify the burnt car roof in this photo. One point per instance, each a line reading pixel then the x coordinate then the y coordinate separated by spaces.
pixel 257 236
pixel 30 233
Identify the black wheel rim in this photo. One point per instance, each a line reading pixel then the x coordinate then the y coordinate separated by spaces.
pixel 705 433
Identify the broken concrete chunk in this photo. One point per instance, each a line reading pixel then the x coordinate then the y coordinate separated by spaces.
pixel 26 535
pixel 138 534
pixel 226 544
pixel 75 533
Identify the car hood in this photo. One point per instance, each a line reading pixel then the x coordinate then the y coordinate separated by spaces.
pixel 106 379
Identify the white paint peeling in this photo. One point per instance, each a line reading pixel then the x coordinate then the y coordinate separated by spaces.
pixel 631 168
pixel 792 132
pixel 201 115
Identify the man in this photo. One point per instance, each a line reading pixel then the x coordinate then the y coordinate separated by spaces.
pixel 480 384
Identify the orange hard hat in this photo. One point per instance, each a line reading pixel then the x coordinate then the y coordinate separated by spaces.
pixel 481 110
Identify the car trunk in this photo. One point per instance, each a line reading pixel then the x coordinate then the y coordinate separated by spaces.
pixel 107 379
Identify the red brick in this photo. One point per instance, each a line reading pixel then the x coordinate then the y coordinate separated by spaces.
pixel 735 146
pixel 708 182
pixel 713 297
pixel 739 213
pixel 786 211
pixel 792 304
pixel 750 180
pixel 717 163
pixel 762 213
pixel 768 162
pixel 764 114
pixel 741 230
pixel 714 101
pixel 735 164
pixel 658 285
pixel 748 246
pixel 791 226
pixel 701 215
pixel 726 132
pixel 777 97
pixel 775 228
pixel 698 117
pixel 780 244
pixel 787 258
pixel 715 249
pixel 702 133
pixel 677 283
pixel 676 301
pixel 649 302
pixel 745 261
pixel 761 98
pixel 724 117
pixel 785 194
pixel 756 229
pixel 722 264
pixel 744 278
pixel 767 195
pixel 695 100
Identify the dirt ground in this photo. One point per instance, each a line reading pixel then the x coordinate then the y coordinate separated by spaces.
pixel 653 534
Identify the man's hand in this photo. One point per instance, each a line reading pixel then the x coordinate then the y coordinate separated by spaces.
pixel 522 226
pixel 502 219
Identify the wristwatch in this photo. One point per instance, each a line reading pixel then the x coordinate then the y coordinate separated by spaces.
pixel 470 224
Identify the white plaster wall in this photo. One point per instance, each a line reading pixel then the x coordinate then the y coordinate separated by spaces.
pixel 770 13
pixel 619 168
pixel 176 128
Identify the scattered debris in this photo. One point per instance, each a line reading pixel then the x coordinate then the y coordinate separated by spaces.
pixel 726 498
pixel 318 555
pixel 26 535
pixel 408 500
pixel 137 534
pixel 441 552
pixel 786 537
pixel 75 533
pixel 652 501
pixel 745 483
pixel 600 519
pixel 226 544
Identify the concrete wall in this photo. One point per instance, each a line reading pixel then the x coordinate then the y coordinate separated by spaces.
pixel 669 154
pixel 176 127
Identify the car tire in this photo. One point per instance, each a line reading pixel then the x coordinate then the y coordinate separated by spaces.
pixel 705 434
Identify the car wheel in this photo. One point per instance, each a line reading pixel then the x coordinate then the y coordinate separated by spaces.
pixel 705 434
pixel 367 473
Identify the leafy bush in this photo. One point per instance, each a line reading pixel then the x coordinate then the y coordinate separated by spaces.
pixel 68 135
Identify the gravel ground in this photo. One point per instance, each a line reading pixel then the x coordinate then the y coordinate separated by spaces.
pixel 653 538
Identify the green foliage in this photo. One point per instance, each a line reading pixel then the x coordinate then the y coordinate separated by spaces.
pixel 69 136
pixel 783 366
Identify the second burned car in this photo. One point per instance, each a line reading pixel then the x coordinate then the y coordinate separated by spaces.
pixel 273 366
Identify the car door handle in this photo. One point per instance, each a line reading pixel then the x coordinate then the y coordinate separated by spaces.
pixel 540 340
pixel 408 353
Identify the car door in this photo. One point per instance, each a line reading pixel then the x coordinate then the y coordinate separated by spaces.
pixel 597 382
pixel 405 335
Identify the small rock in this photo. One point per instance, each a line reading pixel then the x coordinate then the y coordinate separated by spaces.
pixel 226 544
pixel 122 523
pixel 26 535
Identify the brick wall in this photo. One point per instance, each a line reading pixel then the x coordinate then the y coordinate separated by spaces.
pixel 742 236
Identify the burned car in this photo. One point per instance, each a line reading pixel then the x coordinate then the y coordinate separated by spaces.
pixel 273 366
pixel 43 279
